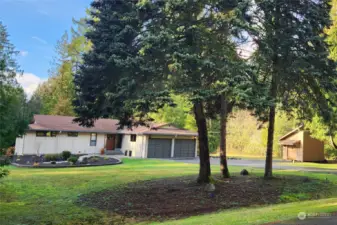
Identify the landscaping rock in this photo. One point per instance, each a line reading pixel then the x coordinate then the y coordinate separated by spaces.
pixel 210 187
pixel 244 172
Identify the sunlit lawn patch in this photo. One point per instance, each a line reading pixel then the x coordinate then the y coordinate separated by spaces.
pixel 49 196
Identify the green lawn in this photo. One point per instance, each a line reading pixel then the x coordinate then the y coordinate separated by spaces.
pixel 328 166
pixel 47 196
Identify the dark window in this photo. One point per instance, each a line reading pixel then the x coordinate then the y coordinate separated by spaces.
pixel 93 139
pixel 72 134
pixel 133 137
pixel 46 133
pixel 41 134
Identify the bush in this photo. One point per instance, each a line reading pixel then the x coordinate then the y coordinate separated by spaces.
pixel 52 157
pixel 73 159
pixel 330 153
pixel 4 161
pixel 66 155
pixel 94 159
pixel 10 151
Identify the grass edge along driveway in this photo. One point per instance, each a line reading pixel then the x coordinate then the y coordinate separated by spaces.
pixel 47 196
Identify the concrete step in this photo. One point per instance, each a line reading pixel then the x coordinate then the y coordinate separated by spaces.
pixel 113 152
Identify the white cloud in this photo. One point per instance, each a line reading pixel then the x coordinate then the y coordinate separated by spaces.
pixel 23 53
pixel 29 83
pixel 40 40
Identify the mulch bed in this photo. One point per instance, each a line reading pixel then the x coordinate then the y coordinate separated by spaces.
pixel 29 160
pixel 174 198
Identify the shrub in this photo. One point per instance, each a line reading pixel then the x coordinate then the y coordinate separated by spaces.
pixel 73 159
pixel 4 161
pixel 66 155
pixel 10 151
pixel 84 160
pixel 94 159
pixel 52 157
pixel 330 153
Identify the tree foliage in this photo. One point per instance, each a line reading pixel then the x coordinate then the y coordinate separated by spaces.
pixel 292 59
pixel 13 111
pixel 56 95
pixel 332 31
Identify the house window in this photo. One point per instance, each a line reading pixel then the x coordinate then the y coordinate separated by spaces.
pixel 41 134
pixel 93 139
pixel 46 133
pixel 72 134
pixel 133 137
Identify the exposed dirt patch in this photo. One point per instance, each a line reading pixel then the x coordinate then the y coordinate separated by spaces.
pixel 181 197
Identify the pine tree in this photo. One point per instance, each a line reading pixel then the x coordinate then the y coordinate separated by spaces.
pixel 111 81
pixel 195 49
pixel 292 59
pixel 13 111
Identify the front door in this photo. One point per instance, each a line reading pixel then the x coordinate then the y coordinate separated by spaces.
pixel 110 142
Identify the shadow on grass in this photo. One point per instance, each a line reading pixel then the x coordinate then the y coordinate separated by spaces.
pixel 180 197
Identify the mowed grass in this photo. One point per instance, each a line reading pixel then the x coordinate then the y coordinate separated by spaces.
pixel 48 196
pixel 328 166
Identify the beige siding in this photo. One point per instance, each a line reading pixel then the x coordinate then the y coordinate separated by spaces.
pixel 32 145
pixel 297 136
pixel 313 149
pixel 138 147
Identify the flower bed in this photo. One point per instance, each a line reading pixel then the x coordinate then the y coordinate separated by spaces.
pixel 47 161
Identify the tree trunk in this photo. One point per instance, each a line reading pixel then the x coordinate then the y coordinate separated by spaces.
pixel 205 167
pixel 332 141
pixel 268 173
pixel 223 137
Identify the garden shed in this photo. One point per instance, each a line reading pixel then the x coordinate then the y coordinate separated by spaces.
pixel 298 145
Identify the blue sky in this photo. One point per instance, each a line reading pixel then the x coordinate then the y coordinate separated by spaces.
pixel 34 27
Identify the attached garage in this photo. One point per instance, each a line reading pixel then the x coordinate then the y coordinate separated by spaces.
pixel 159 148
pixel 184 148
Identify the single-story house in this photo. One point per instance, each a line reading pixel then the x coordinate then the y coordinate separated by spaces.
pixel 49 134
pixel 298 145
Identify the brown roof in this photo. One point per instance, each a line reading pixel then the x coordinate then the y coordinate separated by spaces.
pixel 291 133
pixel 65 123
pixel 290 142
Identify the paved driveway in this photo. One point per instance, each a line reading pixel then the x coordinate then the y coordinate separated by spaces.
pixel 258 163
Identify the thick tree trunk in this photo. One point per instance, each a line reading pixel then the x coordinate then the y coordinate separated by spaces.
pixel 333 142
pixel 205 167
pixel 268 173
pixel 223 138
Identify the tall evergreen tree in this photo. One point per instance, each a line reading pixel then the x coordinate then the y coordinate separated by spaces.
pixel 113 80
pixel 13 111
pixel 56 95
pixel 195 49
pixel 292 59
